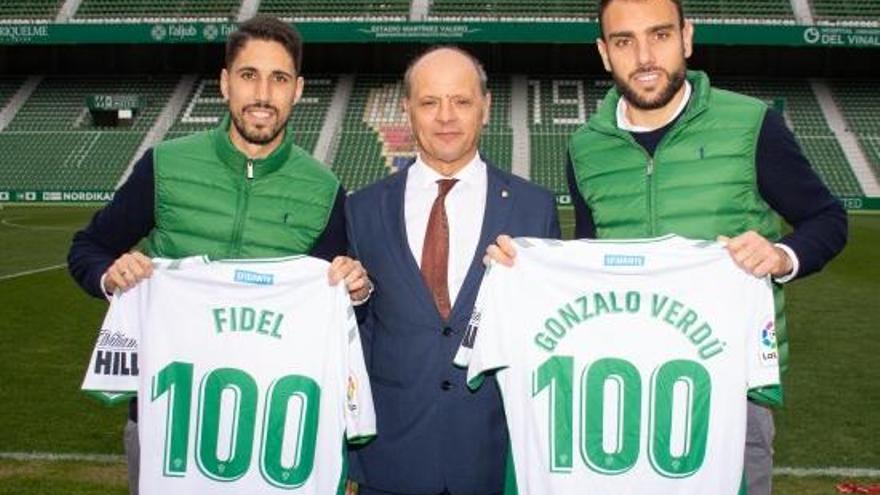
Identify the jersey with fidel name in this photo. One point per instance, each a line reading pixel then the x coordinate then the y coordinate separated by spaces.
pixel 624 366
pixel 251 375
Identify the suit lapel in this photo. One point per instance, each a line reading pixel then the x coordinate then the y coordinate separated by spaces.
pixel 395 225
pixel 499 204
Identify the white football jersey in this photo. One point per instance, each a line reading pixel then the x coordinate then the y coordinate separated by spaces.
pixel 251 375
pixel 624 366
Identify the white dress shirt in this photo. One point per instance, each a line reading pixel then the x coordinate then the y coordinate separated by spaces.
pixel 465 207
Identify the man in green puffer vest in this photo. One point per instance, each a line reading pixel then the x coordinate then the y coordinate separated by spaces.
pixel 668 153
pixel 241 190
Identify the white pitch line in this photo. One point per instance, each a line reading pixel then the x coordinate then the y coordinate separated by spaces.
pixel 838 472
pixel 31 272
pixel 74 456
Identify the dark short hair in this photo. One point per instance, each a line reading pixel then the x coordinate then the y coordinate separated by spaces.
pixel 478 66
pixel 603 4
pixel 266 28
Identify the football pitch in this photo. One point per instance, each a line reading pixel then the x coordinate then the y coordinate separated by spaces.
pixel 54 439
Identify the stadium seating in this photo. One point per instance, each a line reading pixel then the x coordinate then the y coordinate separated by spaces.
pixel 376 140
pixel 8 87
pixel 563 9
pixel 55 145
pixel 372 139
pixel 497 139
pixel 205 107
pixel 109 10
pixel 860 106
pixel 557 107
pixel 805 116
pixel 741 10
pixel 337 9
pixel 848 10
pixel 29 9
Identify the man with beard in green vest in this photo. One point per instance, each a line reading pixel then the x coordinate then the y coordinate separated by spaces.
pixel 241 190
pixel 667 153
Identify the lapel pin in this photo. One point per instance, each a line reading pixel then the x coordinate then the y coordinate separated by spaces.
pixel 504 193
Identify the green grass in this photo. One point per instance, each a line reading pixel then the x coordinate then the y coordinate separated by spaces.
pixel 47 328
pixel 68 478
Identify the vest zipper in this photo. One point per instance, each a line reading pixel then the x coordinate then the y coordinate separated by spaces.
pixel 649 176
pixel 241 209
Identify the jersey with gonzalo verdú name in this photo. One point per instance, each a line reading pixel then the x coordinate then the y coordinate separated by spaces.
pixel 624 366
pixel 249 374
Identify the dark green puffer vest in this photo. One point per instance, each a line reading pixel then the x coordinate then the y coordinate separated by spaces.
pixel 700 183
pixel 206 204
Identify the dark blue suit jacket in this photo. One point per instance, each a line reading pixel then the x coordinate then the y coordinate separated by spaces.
pixel 433 433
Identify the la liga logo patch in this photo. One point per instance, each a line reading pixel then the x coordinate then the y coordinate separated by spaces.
pixel 769 351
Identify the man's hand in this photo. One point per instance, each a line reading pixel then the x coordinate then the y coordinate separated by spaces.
pixel 127 271
pixel 355 276
pixel 502 251
pixel 756 255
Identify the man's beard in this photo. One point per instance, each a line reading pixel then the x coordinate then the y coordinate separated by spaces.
pixel 676 81
pixel 257 137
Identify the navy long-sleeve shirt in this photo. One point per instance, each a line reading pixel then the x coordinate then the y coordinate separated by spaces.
pixel 125 221
pixel 786 182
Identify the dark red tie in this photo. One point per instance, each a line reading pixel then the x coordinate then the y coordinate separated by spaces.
pixel 435 252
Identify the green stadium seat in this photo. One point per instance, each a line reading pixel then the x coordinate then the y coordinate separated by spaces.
pixel 29 9
pixel 375 138
pixel 338 9
pixel 848 10
pixel 56 146
pixel 547 9
pixel 557 107
pixel 723 10
pixel 705 10
pixel 370 120
pixel 858 101
pixel 810 127
pixel 110 10
pixel 8 87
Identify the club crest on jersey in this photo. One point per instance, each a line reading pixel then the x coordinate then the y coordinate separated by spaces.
pixel 624 260
pixel 351 393
pixel 255 278
pixel 769 350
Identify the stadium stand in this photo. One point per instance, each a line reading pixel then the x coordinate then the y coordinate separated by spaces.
pixel 205 107
pixel 503 9
pixel 557 107
pixel 8 87
pixel 497 139
pixel 121 10
pixel 15 10
pixel 809 125
pixel 849 10
pixel 373 139
pixel 55 145
pixel 337 10
pixel 704 10
pixel 740 10
pixel 860 106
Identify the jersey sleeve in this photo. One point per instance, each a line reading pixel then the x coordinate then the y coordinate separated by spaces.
pixel 112 373
pixel 761 348
pixel 482 348
pixel 360 416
